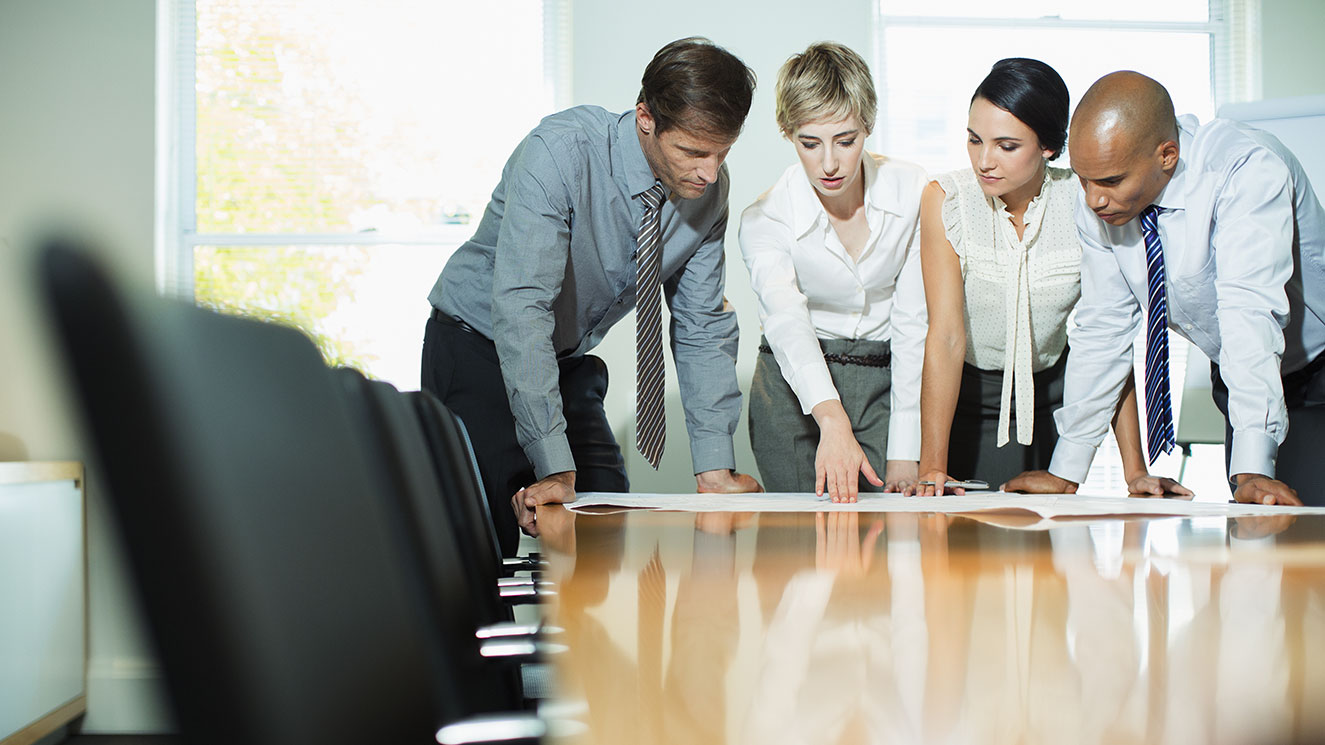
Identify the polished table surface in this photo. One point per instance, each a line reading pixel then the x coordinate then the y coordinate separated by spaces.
pixel 853 627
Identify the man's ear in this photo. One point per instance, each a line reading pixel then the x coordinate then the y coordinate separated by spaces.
pixel 1168 155
pixel 644 119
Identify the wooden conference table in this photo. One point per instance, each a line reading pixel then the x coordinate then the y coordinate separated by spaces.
pixel 851 627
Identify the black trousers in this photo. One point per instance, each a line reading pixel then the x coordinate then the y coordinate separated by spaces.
pixel 1299 464
pixel 461 368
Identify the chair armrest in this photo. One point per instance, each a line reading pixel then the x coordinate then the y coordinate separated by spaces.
pixel 522 563
pixel 522 581
pixel 514 729
pixel 524 648
pixel 508 630
pixel 524 593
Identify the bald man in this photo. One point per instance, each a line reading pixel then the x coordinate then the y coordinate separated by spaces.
pixel 1211 230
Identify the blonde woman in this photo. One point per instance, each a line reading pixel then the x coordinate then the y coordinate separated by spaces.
pixel 835 262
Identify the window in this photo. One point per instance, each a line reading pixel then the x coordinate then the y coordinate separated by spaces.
pixel 329 155
pixel 930 57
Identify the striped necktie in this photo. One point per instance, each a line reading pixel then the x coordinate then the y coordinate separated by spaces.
pixel 650 421
pixel 1159 410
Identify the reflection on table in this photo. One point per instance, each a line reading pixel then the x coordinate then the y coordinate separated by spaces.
pixel 909 628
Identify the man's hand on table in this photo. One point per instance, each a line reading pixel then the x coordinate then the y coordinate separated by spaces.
pixel 1145 485
pixel 556 488
pixel 1039 482
pixel 1256 488
pixel 725 481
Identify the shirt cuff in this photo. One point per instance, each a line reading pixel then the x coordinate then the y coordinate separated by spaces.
pixel 1071 460
pixel 904 436
pixel 712 454
pixel 813 385
pixel 550 455
pixel 1253 452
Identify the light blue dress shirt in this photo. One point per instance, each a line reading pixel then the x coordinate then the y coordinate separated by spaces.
pixel 1244 259
pixel 552 267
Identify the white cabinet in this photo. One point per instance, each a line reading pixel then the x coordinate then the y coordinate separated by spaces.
pixel 43 599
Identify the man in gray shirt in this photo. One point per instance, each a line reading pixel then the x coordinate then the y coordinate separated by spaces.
pixel 553 265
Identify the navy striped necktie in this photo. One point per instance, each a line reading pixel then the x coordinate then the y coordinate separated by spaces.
pixel 650 418
pixel 1159 409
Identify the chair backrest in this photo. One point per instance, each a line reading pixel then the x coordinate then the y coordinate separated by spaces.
pixel 459 600
pixel 457 470
pixel 268 565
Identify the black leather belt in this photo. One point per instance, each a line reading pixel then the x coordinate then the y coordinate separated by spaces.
pixel 453 322
pixel 863 360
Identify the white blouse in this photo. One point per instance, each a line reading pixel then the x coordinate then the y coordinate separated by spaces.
pixel 1019 291
pixel 809 288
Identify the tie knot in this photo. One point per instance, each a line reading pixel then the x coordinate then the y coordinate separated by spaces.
pixel 653 197
pixel 1150 216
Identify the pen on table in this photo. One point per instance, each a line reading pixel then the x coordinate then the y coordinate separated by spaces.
pixel 971 484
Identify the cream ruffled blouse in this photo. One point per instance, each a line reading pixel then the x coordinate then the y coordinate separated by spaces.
pixel 1019 291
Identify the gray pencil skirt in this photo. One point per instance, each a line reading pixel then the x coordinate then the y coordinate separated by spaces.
pixel 785 441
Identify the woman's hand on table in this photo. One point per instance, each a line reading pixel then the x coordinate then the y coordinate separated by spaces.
pixel 900 476
pixel 839 460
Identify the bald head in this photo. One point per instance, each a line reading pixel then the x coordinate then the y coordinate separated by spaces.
pixel 1125 107
pixel 1123 142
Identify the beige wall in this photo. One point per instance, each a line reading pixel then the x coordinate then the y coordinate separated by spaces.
pixel 77 98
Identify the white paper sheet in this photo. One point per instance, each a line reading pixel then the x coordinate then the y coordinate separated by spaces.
pixel 1047 506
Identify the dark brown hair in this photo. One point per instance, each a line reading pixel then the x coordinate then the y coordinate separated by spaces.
pixel 698 86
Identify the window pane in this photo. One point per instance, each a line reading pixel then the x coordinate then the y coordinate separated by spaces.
pixel 1117 10
pixel 345 115
pixel 365 306
pixel 924 118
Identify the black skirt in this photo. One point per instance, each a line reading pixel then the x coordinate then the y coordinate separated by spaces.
pixel 973 451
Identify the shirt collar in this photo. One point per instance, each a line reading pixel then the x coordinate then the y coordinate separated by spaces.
pixel 635 168
pixel 1174 194
pixel 807 211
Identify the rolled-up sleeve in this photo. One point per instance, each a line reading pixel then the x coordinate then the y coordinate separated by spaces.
pixel 1253 254
pixel 528 269
pixel 1108 318
pixel 704 338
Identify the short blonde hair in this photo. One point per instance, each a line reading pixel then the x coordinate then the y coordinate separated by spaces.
pixel 826 82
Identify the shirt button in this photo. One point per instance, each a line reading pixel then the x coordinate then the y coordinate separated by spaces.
pixel 1187 326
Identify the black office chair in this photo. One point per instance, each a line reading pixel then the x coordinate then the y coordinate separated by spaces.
pixel 269 566
pixel 467 505
pixel 457 470
pixel 465 604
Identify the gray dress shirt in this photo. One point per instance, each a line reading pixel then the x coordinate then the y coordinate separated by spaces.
pixel 552 267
